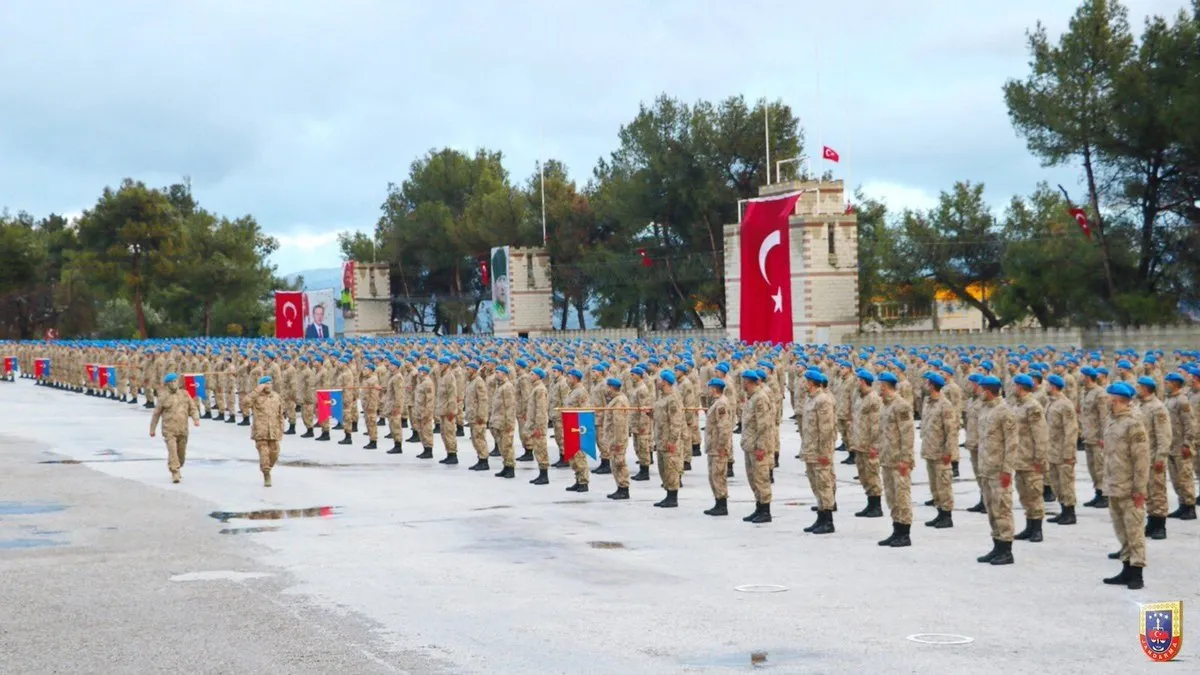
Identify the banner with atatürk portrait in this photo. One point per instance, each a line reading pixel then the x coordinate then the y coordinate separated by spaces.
pixel 501 286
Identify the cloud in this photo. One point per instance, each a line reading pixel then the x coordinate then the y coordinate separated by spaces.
pixel 899 197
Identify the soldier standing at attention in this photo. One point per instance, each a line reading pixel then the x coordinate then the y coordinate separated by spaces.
pixel 559 388
pixel 819 441
pixel 757 420
pixel 447 410
pixel 998 448
pixel 1063 428
pixel 954 397
pixel 598 398
pixel 616 431
pixel 1157 421
pixel 689 395
pixel 476 403
pixel 306 386
pixel 349 385
pixel 643 428
pixel 896 459
pixel 174 408
pixel 669 437
pixel 267 410
pixel 394 406
pixel 1093 418
pixel 577 398
pixel 1183 444
pixel 718 444
pixel 1126 474
pixel 370 393
pixel 538 418
pixel 939 445
pixel 503 419
pixel 865 441
pixel 424 411
pixel 1030 462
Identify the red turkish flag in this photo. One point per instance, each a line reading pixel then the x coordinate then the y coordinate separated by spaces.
pixel 829 154
pixel 767 270
pixel 289 314
pixel 1080 217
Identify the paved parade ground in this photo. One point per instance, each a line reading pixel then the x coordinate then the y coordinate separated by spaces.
pixel 393 564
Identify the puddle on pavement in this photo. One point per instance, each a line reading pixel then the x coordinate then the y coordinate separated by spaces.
pixel 101 461
pixel 9 544
pixel 107 452
pixel 251 530
pixel 29 508
pixel 606 544
pixel 274 514
pixel 492 508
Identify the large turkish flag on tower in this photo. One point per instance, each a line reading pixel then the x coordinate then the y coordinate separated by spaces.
pixel 767 270
pixel 289 314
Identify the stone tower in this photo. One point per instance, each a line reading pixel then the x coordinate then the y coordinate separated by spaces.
pixel 824 261
pixel 532 306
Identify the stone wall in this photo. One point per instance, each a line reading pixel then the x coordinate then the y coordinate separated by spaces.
pixel 1167 338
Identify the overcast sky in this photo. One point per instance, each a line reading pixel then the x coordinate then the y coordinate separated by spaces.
pixel 301 111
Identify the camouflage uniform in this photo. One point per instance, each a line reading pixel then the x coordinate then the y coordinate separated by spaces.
pixel 174 408
pixel 1063 432
pixel 939 448
pixel 819 439
pixel 1126 474
pixel 757 442
pixel 896 456
pixel 267 430
pixel 718 444
pixel 1183 446
pixel 998 448
pixel 1157 422
pixel 616 437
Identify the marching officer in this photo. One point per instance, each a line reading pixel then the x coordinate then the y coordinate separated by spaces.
pixel 174 408
pixel 266 409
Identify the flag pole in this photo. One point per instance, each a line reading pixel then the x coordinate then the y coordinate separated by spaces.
pixel 767 134
pixel 542 172
pixel 820 130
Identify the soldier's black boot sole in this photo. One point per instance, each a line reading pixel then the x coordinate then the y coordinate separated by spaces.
pixel 719 509
pixel 1122 578
pixel 1135 579
pixel 1005 556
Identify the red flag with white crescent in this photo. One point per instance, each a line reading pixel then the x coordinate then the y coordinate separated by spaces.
pixel 766 311
pixel 289 314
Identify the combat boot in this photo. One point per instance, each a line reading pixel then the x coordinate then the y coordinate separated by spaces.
pixel 1005 556
pixel 670 501
pixel 324 435
pixel 175 477
pixel 449 460
pixel 928 502
pixel 346 440
pixel 245 421
pixel 382 422
pixel 1101 501
pixel 695 450
pixel 954 469
pixel 148 405
pixel 232 419
pixel 902 538
pixel 437 428
pixel 208 415
pixel 687 466
pixel 560 463
pixel 1048 495
pixel 291 430
pixel 1025 533
pixel 427 453
pixel 506 472
pixel 388 436
pixel 403 422
pixel 825 523
pixel 1036 536
pixel 133 400
pixel 1115 555
pixel 543 477
pixel 987 558
pixel 397 449
pixel 719 509
pixel 413 438
pixel 219 418
pixel 370 446
pixel 338 426
pixel 481 465
pixel 526 456
pixel 308 433
pixel 979 508
pixel 495 450
pixel 1067 517
pixel 458 430
pixel 1184 512
pixel 872 510
pixel 1135 579
pixel 604 467
pixel 818 508
pixel 757 508
pixel 820 519
pixel 895 533
pixel 729 470
pixel 936 521
pixel 763 516
pixel 1156 527
pixel 1122 578
pixel 621 493
pixel 577 487
pixel 849 461
pixel 642 474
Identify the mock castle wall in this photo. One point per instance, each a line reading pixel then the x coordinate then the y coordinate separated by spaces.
pixel 372 300
pixel 824 284
pixel 531 310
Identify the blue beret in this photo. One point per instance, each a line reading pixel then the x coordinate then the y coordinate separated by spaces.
pixel 522 363
pixel 987 365
pixel 502 369
pixel 265 379
pixel 1056 381
pixel 723 367
pixel 1174 377
pixel 935 378
pixel 717 382
pixel 171 377
pixel 1024 381
pixel 1120 389
pixel 1102 370
pixel 865 375
pixel 574 372
pixel 667 376
pixel 471 365
pixel 598 368
pixel 1151 359
pixel 991 382
pixel 974 377
pixel 814 376
pixel 613 382
pixel 751 375
pixel 682 367
pixel 637 370
pixel 540 373
pixel 885 376
pixel 557 367
pixel 1147 382
pixel 1124 364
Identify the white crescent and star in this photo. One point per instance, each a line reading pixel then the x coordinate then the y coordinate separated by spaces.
pixel 295 312
pixel 771 241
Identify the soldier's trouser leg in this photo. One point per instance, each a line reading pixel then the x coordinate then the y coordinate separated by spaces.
pixel 306 415
pixel 940 484
pixel 478 438
pixel 505 440
pixel 678 457
pixel 395 427
pixel 1029 491
pixel 641 446
pixel 1183 480
pixel 348 418
pixel 1156 497
pixel 579 464
pixel 998 501
pixel 897 492
pixel 821 479
pixel 1129 523
pixel 289 411
pixel 667 469
pixel 372 424
pixel 619 460
pixel 558 433
pixel 522 434
pixel 1065 483
pixel 694 428
pixel 868 472
pixel 425 432
pixel 539 449
pixel 716 475
pixel 604 452
pixel 173 462
pixel 759 474
pixel 449 439
pixel 974 452
pixel 1095 464
pixel 843 427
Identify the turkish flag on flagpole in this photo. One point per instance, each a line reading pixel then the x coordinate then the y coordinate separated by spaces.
pixel 289 314
pixel 766 310
pixel 829 154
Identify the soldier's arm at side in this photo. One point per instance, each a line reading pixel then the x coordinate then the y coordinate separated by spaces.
pixel 1011 443
pixel 1137 443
